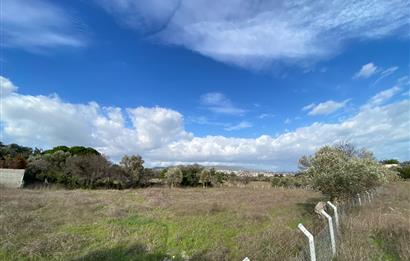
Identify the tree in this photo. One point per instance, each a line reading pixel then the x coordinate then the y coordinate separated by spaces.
pixel 389 161
pixel 205 178
pixel 173 176
pixel 134 167
pixel 342 171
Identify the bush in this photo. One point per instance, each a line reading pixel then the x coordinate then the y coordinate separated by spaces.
pixel 404 170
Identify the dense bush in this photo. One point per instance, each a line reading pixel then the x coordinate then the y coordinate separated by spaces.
pixel 14 156
pixel 404 170
pixel 83 170
pixel 342 171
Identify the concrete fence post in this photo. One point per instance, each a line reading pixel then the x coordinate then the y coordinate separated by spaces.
pixel 332 232
pixel 360 200
pixel 311 242
pixel 368 196
pixel 246 259
pixel 336 214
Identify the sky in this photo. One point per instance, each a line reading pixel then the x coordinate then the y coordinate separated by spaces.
pixel 245 83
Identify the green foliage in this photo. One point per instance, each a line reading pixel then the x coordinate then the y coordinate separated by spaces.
pixel 390 161
pixel 14 156
pixel 133 167
pixel 174 176
pixel 205 178
pixel 290 181
pixel 190 175
pixel 404 170
pixel 342 171
pixel 76 150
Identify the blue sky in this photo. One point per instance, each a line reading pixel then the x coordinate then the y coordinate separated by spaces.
pixel 246 83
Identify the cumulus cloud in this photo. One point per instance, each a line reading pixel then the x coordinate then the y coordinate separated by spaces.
pixel 6 87
pixel 325 108
pixel 255 33
pixel 366 71
pixel 159 135
pixel 37 25
pixel 219 103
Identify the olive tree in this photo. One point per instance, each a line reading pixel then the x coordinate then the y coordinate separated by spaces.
pixel 173 176
pixel 133 166
pixel 205 177
pixel 342 171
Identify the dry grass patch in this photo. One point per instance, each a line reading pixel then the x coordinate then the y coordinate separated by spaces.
pixel 150 224
pixel 380 230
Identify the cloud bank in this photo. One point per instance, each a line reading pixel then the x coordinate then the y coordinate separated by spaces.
pixel 254 34
pixel 159 135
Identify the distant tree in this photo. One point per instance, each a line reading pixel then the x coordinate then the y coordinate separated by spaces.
pixel 190 175
pixel 390 161
pixel 88 171
pixel 205 178
pixel 173 176
pixel 76 150
pixel 133 166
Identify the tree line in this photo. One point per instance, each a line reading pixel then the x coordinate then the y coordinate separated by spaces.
pixel 85 167
pixel 338 171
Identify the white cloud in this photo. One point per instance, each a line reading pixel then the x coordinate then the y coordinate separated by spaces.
pixel 384 96
pixel 288 121
pixel 37 25
pixel 385 73
pixel 366 71
pixel 266 115
pixel 325 108
pixel 255 33
pixel 159 135
pixel 219 103
pixel 239 126
pixel 6 87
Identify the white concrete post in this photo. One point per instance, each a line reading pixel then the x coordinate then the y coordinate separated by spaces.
pixel 311 242
pixel 246 259
pixel 360 200
pixel 332 233
pixel 334 211
pixel 368 196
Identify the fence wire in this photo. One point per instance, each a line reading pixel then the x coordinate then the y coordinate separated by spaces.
pixel 322 238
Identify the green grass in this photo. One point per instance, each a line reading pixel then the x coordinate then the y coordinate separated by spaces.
pixel 150 224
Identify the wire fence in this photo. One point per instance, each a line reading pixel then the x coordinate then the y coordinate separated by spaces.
pixel 327 238
pixel 320 244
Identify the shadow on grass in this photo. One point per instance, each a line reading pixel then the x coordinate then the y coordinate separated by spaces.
pixel 135 252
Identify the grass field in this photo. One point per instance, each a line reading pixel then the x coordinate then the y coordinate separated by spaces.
pixel 204 224
pixel 153 223
pixel 380 230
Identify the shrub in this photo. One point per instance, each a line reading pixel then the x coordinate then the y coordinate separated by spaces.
pixel 404 170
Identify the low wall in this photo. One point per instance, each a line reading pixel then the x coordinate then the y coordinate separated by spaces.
pixel 11 178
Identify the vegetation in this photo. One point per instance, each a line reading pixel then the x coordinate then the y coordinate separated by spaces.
pixel 13 156
pixel 379 230
pixel 342 171
pixel 404 170
pixel 389 161
pixel 153 223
